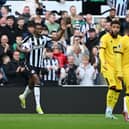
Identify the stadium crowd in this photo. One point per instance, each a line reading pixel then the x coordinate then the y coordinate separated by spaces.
pixel 51 48
pixel 72 60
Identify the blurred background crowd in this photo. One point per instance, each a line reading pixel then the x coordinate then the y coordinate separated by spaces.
pixel 76 52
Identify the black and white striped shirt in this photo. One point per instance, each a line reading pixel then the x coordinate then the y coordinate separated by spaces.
pixel 36 46
pixel 120 5
pixel 52 73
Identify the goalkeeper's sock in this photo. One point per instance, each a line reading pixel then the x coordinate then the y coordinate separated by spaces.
pixel 26 92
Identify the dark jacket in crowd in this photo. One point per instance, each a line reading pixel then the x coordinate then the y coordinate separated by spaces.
pixel 12 75
pixel 91 43
pixel 10 32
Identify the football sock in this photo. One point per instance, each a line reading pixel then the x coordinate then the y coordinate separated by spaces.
pixel 26 92
pixel 109 101
pixel 37 95
pixel 116 95
pixel 108 110
pixel 126 104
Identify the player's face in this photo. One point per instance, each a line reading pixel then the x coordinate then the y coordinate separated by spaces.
pixel 38 29
pixel 115 28
pixel 31 30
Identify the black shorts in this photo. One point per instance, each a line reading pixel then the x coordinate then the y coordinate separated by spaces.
pixel 33 70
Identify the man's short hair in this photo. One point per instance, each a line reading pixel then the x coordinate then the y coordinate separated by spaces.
pixel 91 30
pixel 11 17
pixel 31 24
pixel 115 22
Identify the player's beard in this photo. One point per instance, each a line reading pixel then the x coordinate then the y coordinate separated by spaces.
pixel 114 35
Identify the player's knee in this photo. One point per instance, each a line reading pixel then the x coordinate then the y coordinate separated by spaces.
pixel 36 80
pixel 31 87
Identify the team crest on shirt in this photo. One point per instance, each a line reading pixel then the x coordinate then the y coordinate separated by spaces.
pixel 119 46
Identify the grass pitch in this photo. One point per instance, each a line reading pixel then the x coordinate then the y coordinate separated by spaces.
pixel 60 121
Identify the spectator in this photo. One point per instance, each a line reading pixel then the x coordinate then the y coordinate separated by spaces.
pixel 76 33
pixel 45 30
pixel 112 15
pixel 77 54
pixel 1 78
pixel 57 53
pixel 4 46
pixel 5 11
pixel 62 42
pixel 63 14
pixel 50 67
pixel 15 69
pixel 101 25
pixel 32 4
pixel 40 9
pixel 89 23
pixel 73 14
pixel 69 31
pixel 10 29
pixel 46 18
pixel 86 73
pixel 51 24
pixel 54 34
pixel 92 40
pixel 21 27
pixel 37 19
pixel 18 42
pixel 2 22
pixel 68 73
pixel 95 62
pixel 77 45
pixel 125 22
pixel 5 60
pixel 25 14
pixel 106 29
